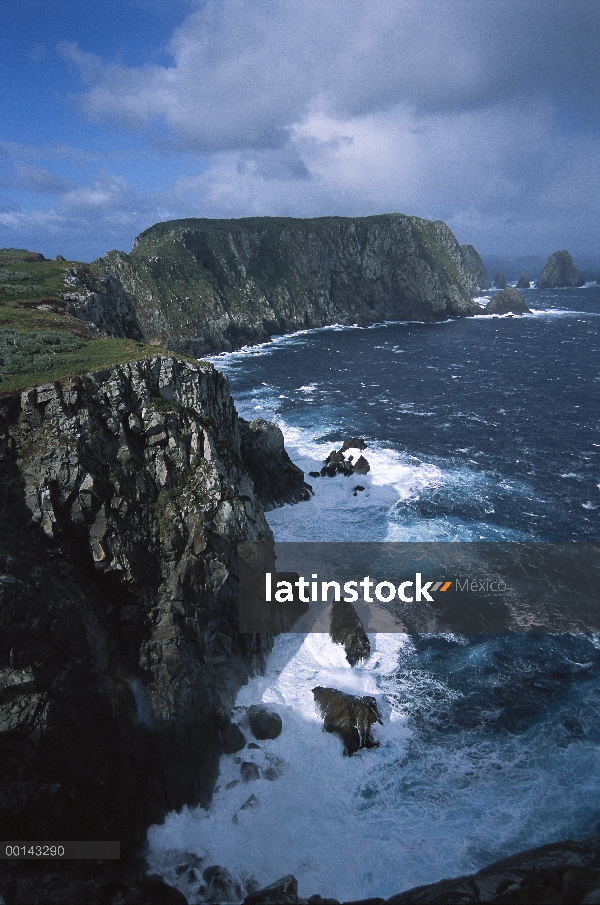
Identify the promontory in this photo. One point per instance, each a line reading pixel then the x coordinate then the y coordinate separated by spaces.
pixel 206 286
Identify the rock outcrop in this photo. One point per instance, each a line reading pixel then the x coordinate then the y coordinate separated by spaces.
pixel 337 463
pixel 524 282
pixel 349 717
pixel 276 479
pixel 347 630
pixel 100 301
pixel 509 301
pixel 123 498
pixel 206 286
pixel 559 271
pixel 500 281
pixel 264 723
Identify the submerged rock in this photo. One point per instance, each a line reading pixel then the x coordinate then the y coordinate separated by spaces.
pixel 509 301
pixel 281 892
pixel 349 717
pixel 523 282
pixel 264 723
pixel 348 630
pixel 249 771
pixel 559 271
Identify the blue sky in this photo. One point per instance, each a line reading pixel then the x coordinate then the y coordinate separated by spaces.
pixel 483 113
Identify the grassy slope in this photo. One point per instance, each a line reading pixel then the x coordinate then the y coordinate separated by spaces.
pixel 39 341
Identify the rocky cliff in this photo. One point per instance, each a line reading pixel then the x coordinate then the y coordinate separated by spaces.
pixel 205 286
pixel 123 498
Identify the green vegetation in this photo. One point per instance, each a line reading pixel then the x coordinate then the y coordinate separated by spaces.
pixel 40 342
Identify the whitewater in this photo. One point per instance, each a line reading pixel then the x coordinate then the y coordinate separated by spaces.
pixel 479 429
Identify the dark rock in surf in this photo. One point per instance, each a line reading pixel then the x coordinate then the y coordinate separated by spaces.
pixel 281 892
pixel 249 771
pixel 347 630
pixel 361 466
pixel 336 463
pixel 524 282
pixel 351 718
pixel 264 724
pixel 559 271
pixel 276 479
pixel 357 489
pixel 233 739
pixel 509 301
pixel 500 281
pixel 353 443
pixel 220 885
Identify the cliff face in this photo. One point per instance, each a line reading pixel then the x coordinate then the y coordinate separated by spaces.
pixel 123 498
pixel 204 286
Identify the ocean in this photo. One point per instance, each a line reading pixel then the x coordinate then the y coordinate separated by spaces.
pixel 477 429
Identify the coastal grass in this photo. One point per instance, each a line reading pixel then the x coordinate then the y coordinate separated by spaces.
pixel 94 355
pixel 40 342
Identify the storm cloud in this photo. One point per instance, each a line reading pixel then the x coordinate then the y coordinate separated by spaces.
pixel 484 113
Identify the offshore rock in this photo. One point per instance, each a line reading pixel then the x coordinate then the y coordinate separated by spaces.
pixel 500 281
pixel 349 717
pixel 264 723
pixel 509 301
pixel 559 271
pixel 122 501
pixel 206 286
pixel 276 479
pixel 337 463
pixel 523 282
pixel 348 630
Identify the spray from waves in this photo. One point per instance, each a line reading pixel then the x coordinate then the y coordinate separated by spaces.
pixel 440 797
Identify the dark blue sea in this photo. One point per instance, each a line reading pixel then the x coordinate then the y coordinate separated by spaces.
pixel 477 429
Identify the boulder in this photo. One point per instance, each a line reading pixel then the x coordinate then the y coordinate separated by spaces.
pixel 523 282
pixel 348 630
pixel 276 479
pixel 249 771
pixel 349 717
pixel 559 271
pixel 509 301
pixel 264 723
pixel 281 892
pixel 233 739
pixel 500 281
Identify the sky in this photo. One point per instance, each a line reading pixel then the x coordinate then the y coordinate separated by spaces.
pixel 117 114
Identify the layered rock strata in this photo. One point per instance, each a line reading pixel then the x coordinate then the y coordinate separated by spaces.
pixel 206 286
pixel 123 497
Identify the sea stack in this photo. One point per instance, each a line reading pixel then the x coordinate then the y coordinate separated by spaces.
pixel 559 271
pixel 500 281
pixel 523 282
pixel 509 301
